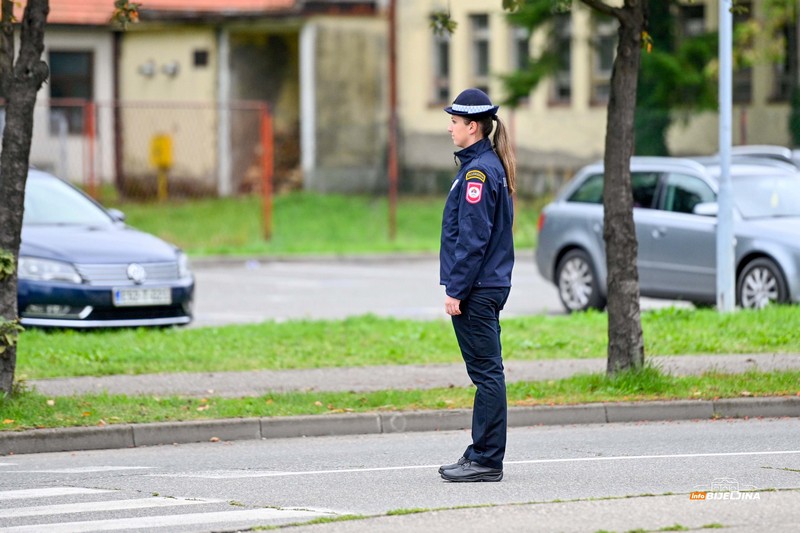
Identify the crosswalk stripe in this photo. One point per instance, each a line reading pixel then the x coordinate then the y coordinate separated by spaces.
pixel 47 492
pixel 149 522
pixel 90 507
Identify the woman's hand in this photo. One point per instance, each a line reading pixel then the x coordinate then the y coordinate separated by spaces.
pixel 452 306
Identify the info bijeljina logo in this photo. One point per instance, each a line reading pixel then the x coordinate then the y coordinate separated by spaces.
pixel 724 488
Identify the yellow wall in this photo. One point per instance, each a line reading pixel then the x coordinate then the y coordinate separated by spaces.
pixel 548 135
pixel 578 129
pixel 181 106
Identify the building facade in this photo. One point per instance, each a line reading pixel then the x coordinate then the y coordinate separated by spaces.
pixel 561 125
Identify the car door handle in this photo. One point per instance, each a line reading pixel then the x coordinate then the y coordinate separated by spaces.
pixel 657 233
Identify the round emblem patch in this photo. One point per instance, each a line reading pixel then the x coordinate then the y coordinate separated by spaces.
pixel 474 191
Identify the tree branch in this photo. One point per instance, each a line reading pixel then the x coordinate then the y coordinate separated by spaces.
pixel 602 7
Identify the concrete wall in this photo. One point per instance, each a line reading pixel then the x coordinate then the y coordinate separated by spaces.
pixel 345 115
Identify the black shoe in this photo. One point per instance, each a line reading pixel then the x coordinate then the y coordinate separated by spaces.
pixel 472 471
pixel 458 463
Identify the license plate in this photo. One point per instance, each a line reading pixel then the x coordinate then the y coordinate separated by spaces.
pixel 141 296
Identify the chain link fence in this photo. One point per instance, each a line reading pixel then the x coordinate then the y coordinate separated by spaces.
pixel 166 150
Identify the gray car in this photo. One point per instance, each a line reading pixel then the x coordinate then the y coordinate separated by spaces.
pixel 675 216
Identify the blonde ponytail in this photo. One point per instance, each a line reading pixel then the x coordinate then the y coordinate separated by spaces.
pixel 502 147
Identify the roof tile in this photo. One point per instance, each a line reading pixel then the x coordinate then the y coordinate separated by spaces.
pixel 98 12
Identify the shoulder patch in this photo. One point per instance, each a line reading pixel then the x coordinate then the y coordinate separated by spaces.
pixel 475 175
pixel 474 192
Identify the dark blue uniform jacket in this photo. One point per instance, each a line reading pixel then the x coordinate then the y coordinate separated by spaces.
pixel 477 247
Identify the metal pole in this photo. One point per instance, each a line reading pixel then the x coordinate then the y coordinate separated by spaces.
pixel 267 168
pixel 726 299
pixel 393 171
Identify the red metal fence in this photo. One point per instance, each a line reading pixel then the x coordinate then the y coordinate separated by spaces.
pixel 163 150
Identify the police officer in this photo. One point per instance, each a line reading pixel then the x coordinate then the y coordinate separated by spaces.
pixel 476 258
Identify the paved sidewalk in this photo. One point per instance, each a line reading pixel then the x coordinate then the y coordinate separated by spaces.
pixel 362 379
pixel 380 378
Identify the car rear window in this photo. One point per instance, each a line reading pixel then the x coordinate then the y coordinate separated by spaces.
pixel 644 186
pixel 590 191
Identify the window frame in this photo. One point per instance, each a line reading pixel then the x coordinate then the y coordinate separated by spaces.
pixel 72 107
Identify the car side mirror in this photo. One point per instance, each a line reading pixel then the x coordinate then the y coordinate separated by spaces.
pixel 706 209
pixel 117 215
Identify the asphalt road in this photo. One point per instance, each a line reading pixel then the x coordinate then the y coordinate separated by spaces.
pixel 626 476
pixel 234 292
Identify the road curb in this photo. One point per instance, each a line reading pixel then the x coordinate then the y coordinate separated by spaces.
pixel 135 435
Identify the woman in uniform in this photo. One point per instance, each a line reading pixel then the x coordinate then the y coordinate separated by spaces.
pixel 476 258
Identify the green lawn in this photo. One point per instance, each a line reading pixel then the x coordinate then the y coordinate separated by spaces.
pixel 369 340
pixel 27 409
pixel 305 223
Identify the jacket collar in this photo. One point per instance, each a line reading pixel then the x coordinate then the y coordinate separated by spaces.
pixel 474 150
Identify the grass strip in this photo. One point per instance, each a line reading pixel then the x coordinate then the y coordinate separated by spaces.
pixel 370 340
pixel 28 409
pixel 306 223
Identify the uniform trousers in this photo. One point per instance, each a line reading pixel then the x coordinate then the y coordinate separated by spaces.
pixel 477 330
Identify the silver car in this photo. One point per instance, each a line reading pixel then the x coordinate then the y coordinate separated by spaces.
pixel 675 216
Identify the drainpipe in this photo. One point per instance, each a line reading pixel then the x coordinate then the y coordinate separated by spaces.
pixel 224 147
pixel 308 105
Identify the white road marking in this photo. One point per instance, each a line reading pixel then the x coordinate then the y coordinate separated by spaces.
pixel 638 457
pixel 90 507
pixel 83 470
pixel 47 492
pixel 151 522
pixel 232 474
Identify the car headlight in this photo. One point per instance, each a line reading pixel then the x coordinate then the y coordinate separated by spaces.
pixel 33 268
pixel 184 271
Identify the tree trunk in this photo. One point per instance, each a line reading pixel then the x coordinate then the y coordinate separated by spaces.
pixel 20 87
pixel 625 341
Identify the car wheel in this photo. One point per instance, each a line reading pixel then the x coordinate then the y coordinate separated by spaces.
pixel 760 284
pixel 577 282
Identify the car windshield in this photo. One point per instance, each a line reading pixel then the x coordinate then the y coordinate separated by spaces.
pixel 50 201
pixel 767 196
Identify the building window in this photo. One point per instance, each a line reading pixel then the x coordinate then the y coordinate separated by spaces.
pixel 479 24
pixel 562 41
pixel 782 69
pixel 520 51
pixel 441 67
pixel 605 43
pixel 71 87
pixel 200 58
pixel 691 20
pixel 742 74
pixel 520 47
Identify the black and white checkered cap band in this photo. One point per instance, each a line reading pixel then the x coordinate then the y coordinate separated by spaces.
pixel 472 109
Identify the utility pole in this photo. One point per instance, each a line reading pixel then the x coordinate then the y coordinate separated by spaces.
pixel 726 299
pixel 393 171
